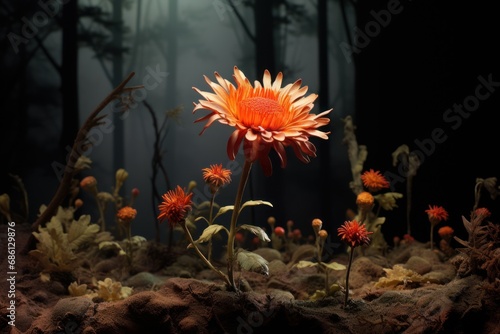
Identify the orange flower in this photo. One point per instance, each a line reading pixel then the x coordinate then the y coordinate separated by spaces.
pixel 216 176
pixel 436 214
pixel 316 225
pixel 445 231
pixel 89 183
pixel 126 214
pixel 265 116
pixel 78 203
pixel 175 206
pixel 354 233
pixel 365 200
pixel 374 180
pixel 323 234
pixel 481 213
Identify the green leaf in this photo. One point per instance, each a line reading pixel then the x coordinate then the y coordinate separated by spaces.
pixel 223 210
pixel 252 262
pixel 112 245
pixel 319 294
pixel 200 218
pixel 81 231
pixel 204 205
pixel 377 223
pixel 252 203
pixel 258 231
pixel 335 266
pixel 209 232
pixel 305 264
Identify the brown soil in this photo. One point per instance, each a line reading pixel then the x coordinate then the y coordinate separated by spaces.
pixel 174 293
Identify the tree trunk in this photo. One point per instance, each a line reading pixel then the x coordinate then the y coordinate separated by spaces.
pixel 324 145
pixel 264 37
pixel 367 78
pixel 69 76
pixel 118 133
pixel 172 52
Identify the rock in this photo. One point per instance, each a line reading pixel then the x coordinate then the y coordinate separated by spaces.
pixel 418 265
pixel 441 274
pixel 269 254
pixel 24 317
pixel 185 274
pixel 74 306
pixel 281 296
pixel 277 267
pixel 363 271
pixel 188 261
pixel 143 279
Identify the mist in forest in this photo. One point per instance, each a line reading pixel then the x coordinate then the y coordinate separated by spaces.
pixel 395 67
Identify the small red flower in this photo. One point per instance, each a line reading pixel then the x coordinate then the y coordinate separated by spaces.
pixel 216 176
pixel 175 206
pixel 135 192
pixel 408 238
pixel 436 214
pixel 89 183
pixel 297 234
pixel 354 233
pixel 78 203
pixel 445 231
pixel 239 237
pixel 374 180
pixel 481 213
pixel 279 231
pixel 126 214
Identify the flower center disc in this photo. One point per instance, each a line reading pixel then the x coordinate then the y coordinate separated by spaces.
pixel 261 111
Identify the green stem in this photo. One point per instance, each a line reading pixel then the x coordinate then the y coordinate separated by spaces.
pixel 210 222
pixel 321 265
pixel 232 229
pixel 200 254
pixel 327 287
pixel 432 236
pixel 347 277
pixel 408 204
pixel 101 212
pixel 129 237
pixel 477 195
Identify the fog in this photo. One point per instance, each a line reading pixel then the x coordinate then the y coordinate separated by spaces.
pixel 210 39
pixel 396 90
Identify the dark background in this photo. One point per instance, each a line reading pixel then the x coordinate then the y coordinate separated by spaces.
pixel 428 58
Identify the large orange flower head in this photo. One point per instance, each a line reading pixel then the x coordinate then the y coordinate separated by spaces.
pixel 354 233
pixel 265 116
pixel 374 180
pixel 175 206
pixel 436 214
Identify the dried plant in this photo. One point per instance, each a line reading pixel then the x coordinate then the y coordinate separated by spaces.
pixel 81 144
pixel 481 251
pixel 60 241
pixel 364 185
pixel 411 162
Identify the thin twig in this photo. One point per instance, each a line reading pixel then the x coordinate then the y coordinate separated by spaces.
pixel 76 151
